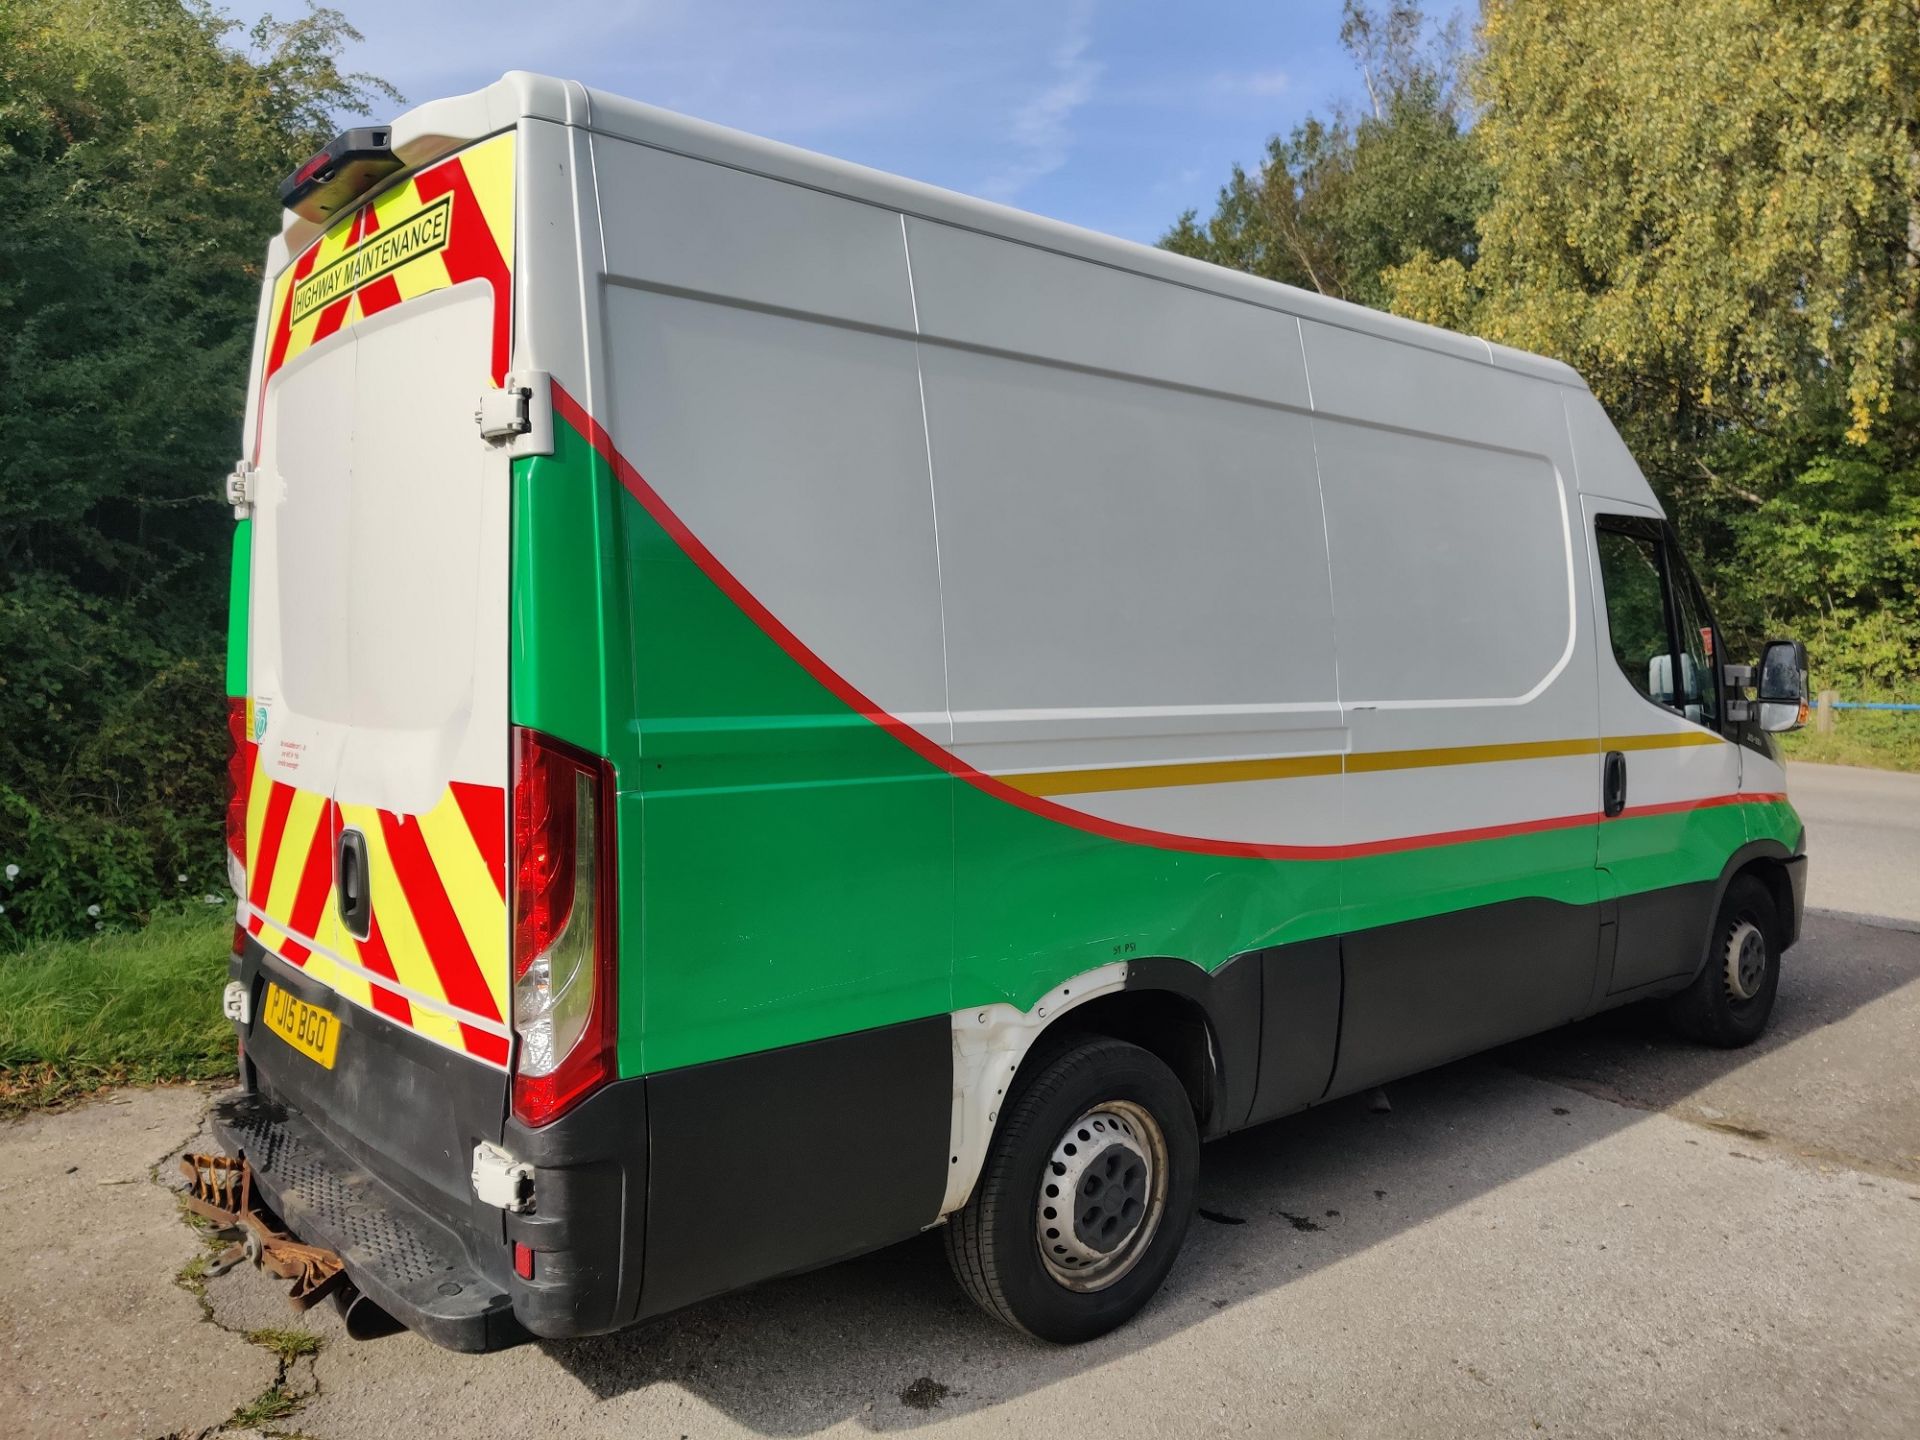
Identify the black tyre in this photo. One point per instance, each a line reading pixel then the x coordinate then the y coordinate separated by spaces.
pixel 1085 1196
pixel 1731 998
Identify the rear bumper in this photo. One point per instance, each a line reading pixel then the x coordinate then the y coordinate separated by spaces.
pixel 372 1159
pixel 666 1176
pixel 413 1267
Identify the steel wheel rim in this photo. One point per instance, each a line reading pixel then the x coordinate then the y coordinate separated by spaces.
pixel 1745 967
pixel 1101 1195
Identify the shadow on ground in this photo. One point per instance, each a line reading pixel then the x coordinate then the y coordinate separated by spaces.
pixel 796 1356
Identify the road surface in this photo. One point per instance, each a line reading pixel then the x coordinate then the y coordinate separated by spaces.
pixel 1863 829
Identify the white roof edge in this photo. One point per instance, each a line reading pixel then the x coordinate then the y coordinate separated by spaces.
pixel 430 130
pixel 667 130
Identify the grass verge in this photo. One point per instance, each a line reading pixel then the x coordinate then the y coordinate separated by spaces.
pixel 132 1009
pixel 1879 740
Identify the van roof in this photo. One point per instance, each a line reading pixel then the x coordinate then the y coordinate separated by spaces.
pixel 428 131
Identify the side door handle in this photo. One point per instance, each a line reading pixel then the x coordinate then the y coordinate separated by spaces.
pixel 1613 786
pixel 356 890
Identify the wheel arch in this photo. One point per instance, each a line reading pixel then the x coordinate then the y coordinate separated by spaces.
pixel 1205 1026
pixel 1767 861
pixel 1169 1025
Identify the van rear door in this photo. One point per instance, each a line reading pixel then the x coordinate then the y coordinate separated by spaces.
pixel 376 816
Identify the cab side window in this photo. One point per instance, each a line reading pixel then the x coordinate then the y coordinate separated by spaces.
pixel 1633 576
pixel 1699 695
pixel 1657 619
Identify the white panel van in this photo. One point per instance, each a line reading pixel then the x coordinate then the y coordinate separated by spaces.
pixel 785 707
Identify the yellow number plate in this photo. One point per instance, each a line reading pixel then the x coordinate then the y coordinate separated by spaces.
pixel 314 1032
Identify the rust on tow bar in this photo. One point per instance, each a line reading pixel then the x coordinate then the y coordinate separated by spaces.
pixel 220 1188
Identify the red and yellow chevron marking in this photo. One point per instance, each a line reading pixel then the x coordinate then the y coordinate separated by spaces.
pixel 450 223
pixel 435 956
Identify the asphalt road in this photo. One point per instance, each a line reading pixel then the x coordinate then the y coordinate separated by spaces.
pixel 1863 830
pixel 1600 1231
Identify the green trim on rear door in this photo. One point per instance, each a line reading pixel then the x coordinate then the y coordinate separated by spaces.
pixel 239 605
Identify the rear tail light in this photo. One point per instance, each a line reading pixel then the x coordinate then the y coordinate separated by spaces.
pixel 562 863
pixel 239 779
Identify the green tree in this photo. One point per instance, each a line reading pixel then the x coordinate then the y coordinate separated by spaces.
pixel 1342 200
pixel 139 151
pixel 1712 211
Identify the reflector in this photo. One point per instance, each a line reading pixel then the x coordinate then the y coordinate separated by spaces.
pixel 239 781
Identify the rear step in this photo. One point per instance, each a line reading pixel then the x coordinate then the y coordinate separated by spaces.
pixel 398 1257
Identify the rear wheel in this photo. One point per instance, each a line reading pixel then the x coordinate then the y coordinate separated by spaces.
pixel 1730 1000
pixel 1085 1195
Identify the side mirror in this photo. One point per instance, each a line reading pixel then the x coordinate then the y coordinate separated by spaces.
pixel 1783 685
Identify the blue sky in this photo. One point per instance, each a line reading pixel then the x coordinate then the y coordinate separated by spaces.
pixel 1114 114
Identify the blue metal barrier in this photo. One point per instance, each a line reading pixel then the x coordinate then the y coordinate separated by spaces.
pixel 1870 705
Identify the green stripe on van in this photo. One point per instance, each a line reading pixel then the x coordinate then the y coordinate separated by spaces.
pixel 239 589
pixel 789 871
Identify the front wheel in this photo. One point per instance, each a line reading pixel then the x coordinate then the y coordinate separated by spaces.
pixel 1085 1196
pixel 1731 999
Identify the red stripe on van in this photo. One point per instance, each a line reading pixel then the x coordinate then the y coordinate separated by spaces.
pixel 272 830
pixel 484 808
pixel 335 315
pixel 471 252
pixel 595 434
pixel 373 951
pixel 282 338
pixel 383 293
pixel 316 883
pixel 433 914
pixel 484 1044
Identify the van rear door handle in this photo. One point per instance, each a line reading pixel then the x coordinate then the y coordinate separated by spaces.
pixel 356 897
pixel 1613 786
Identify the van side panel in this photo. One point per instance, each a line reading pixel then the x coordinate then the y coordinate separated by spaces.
pixel 1134 571
pixel 989 706
pixel 1460 588
pixel 798 867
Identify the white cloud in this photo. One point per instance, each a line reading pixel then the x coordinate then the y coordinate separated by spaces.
pixel 1042 128
pixel 1255 82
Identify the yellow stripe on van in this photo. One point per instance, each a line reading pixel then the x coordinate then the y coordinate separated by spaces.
pixel 489 170
pixel 1370 761
pixel 343 981
pixel 305 816
pixel 1666 740
pixel 259 791
pixel 1288 767
pixel 1154 777
pixel 411 964
pixel 471 891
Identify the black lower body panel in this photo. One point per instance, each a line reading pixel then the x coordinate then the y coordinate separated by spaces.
pixel 1427 991
pixel 1299 1025
pixel 412 1266
pixel 660 1191
pixel 652 1193
pixel 1662 934
pixel 1796 869
pixel 788 1159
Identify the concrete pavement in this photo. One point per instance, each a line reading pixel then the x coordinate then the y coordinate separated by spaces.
pixel 96 1336
pixel 1600 1231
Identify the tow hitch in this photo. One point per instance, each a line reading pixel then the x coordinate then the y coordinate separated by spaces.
pixel 220 1189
